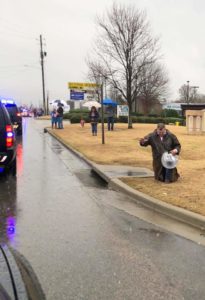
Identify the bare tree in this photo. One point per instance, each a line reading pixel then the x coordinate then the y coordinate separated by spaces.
pixel 184 93
pixel 188 94
pixel 153 85
pixel 200 98
pixel 123 49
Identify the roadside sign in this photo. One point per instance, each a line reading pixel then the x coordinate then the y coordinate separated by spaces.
pixel 82 85
pixel 122 110
pixel 76 95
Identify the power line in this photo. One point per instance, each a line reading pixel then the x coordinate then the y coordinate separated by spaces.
pixel 16 35
pixel 8 68
pixel 14 30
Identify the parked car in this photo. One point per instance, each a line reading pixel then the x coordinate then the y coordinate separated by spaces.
pixel 26 113
pixel 7 142
pixel 15 115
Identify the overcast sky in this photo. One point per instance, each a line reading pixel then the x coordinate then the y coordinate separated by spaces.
pixel 68 30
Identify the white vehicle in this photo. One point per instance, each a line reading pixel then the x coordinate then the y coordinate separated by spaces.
pixel 56 103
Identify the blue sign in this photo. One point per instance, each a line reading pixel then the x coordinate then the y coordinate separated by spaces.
pixel 76 95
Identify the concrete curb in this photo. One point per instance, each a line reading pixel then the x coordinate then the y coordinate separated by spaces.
pixel 174 212
pixel 167 209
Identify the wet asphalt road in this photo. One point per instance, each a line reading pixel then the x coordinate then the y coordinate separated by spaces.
pixel 60 217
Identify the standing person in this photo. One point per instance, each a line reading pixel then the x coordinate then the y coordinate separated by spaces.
pixel 35 112
pixel 60 117
pixel 162 140
pixel 110 117
pixel 82 122
pixel 94 116
pixel 54 118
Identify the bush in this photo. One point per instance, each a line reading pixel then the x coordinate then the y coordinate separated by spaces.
pixel 136 114
pixel 170 113
pixel 75 115
pixel 79 111
pixel 153 115
pixel 173 121
pixel 75 118
pixel 150 120
pixel 122 119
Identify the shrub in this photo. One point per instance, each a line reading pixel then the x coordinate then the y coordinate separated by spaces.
pixel 151 120
pixel 122 119
pixel 153 115
pixel 173 121
pixel 136 114
pixel 170 113
pixel 75 118
pixel 75 115
pixel 79 111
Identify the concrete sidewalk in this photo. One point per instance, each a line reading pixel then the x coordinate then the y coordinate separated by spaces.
pixel 112 174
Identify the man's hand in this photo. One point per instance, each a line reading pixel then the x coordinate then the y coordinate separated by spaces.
pixel 142 141
pixel 174 151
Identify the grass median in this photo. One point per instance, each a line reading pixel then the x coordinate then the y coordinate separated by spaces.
pixel 122 148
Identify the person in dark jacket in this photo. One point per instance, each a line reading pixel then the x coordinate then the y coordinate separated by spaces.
pixel 162 140
pixel 94 116
pixel 60 117
pixel 110 117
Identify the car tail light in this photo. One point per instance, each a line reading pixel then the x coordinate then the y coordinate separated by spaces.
pixel 9 136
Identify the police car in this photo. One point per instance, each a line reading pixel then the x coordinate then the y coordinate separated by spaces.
pixel 15 115
pixel 7 142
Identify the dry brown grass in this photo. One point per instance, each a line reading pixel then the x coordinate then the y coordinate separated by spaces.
pixel 122 147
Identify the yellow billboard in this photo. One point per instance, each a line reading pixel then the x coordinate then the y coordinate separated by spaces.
pixel 82 85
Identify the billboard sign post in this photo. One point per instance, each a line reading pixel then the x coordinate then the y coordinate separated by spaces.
pixel 83 90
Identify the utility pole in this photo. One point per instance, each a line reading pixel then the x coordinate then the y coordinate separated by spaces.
pixel 42 54
pixel 47 102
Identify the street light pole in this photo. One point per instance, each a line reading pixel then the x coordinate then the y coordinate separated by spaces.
pixel 187 92
pixel 102 115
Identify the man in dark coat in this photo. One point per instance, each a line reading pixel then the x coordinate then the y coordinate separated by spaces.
pixel 162 140
pixel 60 116
pixel 110 117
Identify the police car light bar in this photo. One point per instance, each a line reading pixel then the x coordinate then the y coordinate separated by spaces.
pixel 5 101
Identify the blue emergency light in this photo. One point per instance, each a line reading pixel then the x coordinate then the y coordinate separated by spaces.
pixel 7 101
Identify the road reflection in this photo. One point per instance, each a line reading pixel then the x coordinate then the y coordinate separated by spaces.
pixel 19 157
pixel 8 209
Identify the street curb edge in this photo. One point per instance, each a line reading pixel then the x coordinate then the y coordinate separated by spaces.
pixel 116 184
